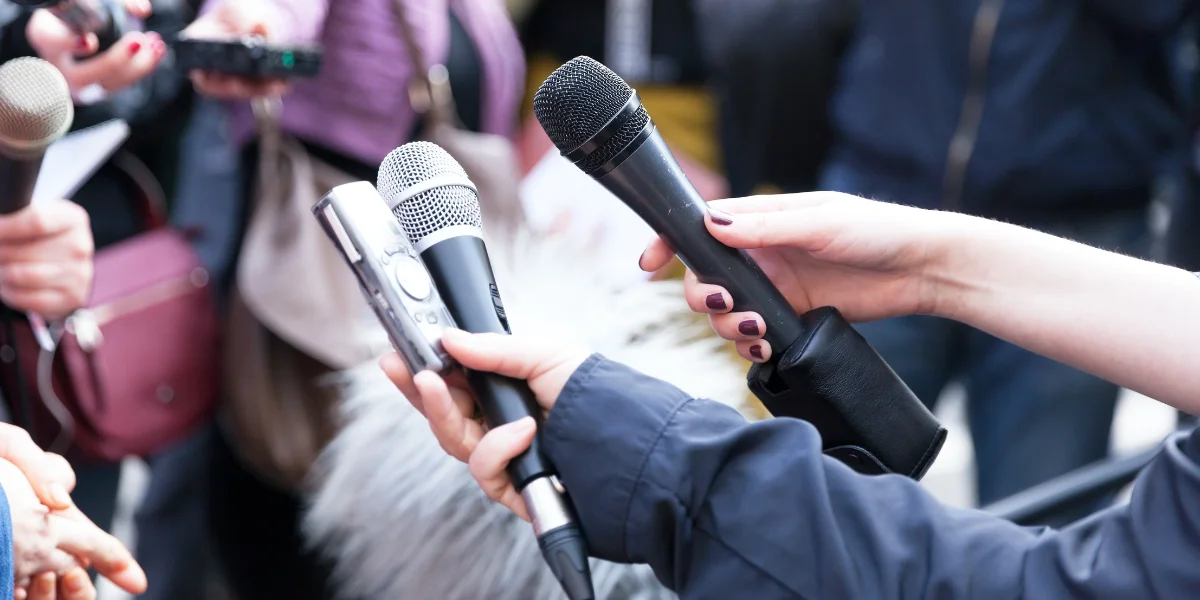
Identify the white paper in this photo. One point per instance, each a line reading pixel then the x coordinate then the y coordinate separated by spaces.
pixel 556 193
pixel 75 157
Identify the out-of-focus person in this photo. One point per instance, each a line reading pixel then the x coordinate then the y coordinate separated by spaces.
pixel 343 123
pixel 133 81
pixel 1056 116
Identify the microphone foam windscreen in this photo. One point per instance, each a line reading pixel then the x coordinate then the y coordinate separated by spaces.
pixel 577 100
pixel 35 106
pixel 433 210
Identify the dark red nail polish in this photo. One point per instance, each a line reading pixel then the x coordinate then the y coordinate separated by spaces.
pixel 716 302
pixel 82 45
pixel 748 327
pixel 134 47
pixel 719 217
pixel 756 352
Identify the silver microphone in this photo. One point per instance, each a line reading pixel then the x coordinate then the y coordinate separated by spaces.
pixel 438 207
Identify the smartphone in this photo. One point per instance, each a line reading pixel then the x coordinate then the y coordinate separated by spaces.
pixel 390 273
pixel 249 56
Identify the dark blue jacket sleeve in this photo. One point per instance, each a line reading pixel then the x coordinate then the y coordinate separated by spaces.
pixel 721 508
pixel 6 548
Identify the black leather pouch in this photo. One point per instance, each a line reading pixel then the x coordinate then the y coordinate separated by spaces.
pixel 866 415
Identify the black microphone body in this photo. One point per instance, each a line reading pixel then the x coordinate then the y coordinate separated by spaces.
pixel 821 370
pixel 648 179
pixel 18 176
pixel 462 272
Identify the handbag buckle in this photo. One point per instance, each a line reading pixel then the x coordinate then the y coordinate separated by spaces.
pixel 82 324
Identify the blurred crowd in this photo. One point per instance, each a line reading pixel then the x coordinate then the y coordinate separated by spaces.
pixel 1074 118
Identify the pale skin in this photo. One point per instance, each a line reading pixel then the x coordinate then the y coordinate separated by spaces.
pixel 53 542
pixel 1126 320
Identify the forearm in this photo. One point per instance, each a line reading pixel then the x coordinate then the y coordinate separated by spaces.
pixel 1129 321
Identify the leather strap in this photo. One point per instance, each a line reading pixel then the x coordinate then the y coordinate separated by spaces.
pixel 429 92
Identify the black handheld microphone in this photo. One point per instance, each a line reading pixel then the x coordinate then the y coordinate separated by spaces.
pixel 102 17
pixel 438 207
pixel 35 110
pixel 821 370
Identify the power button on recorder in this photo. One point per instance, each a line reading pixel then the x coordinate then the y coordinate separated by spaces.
pixel 413 278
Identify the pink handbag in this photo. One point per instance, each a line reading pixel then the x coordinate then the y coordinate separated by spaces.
pixel 136 369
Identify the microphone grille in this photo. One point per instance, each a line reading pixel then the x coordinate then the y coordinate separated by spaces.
pixel 432 210
pixel 577 99
pixel 35 105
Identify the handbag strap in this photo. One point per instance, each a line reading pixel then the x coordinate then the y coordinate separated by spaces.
pixel 150 198
pixel 429 92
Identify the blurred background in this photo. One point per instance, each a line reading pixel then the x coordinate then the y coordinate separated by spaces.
pixel 1076 118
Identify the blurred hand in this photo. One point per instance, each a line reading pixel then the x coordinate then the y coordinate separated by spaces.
pixel 133 57
pixel 49 543
pixel 74 584
pixel 232 19
pixel 46 254
pixel 870 260
pixel 449 404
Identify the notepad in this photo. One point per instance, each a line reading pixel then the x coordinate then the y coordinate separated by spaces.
pixel 75 157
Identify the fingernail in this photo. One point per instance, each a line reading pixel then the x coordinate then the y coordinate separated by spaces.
pixel 45 586
pixel 81 44
pixel 525 424
pixel 159 47
pixel 756 351
pixel 59 494
pixel 641 258
pixel 748 327
pixel 74 582
pixel 134 47
pixel 716 302
pixel 719 217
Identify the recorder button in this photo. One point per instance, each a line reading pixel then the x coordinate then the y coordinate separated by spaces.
pixel 413 278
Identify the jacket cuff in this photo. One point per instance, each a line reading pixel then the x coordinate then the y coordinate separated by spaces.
pixel 600 459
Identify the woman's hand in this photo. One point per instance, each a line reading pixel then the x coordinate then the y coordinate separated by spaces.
pixel 46 254
pixel 232 19
pixel 449 405
pixel 130 59
pixel 870 260
pixel 48 544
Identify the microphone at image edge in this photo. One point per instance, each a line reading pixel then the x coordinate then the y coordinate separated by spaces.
pixel 35 111
pixel 438 207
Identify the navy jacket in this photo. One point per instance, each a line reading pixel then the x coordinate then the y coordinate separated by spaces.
pixel 1062 106
pixel 722 509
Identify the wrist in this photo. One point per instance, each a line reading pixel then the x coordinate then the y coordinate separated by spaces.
pixel 952 270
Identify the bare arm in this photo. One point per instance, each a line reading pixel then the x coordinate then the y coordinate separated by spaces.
pixel 1129 321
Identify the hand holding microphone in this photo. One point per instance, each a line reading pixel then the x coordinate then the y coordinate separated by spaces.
pixel 872 260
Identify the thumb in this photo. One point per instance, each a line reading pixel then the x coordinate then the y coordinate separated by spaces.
pixel 520 358
pixel 547 366
pixel 802 228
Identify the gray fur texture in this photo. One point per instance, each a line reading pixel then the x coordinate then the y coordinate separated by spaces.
pixel 402 520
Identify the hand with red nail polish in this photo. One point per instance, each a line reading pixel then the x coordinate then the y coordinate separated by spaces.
pixel 871 260
pixel 449 405
pixel 132 58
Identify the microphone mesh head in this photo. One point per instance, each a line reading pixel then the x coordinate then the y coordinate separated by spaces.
pixel 35 105
pixel 433 210
pixel 577 99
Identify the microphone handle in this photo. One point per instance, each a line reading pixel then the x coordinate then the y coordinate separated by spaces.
pixel 651 182
pixel 504 400
pixel 18 177
pixel 463 275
